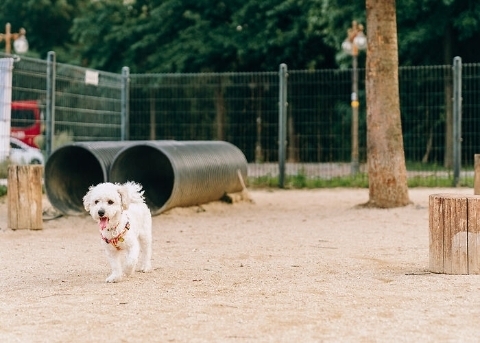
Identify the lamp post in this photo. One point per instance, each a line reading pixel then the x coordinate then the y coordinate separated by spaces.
pixel 355 41
pixel 20 43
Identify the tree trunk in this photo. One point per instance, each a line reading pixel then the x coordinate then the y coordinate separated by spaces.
pixel 448 88
pixel 387 173
pixel 220 111
pixel 153 121
pixel 293 155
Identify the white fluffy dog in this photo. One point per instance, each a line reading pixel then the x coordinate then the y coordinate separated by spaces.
pixel 125 224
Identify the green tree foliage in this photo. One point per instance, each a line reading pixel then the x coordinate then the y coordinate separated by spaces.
pixel 193 36
pixel 105 32
pixel 187 36
pixel 433 31
pixel 429 31
pixel 276 31
pixel 234 35
pixel 47 23
pixel 331 19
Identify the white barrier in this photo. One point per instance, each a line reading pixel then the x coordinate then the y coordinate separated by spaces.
pixel 6 67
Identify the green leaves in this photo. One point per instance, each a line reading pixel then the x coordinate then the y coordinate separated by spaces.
pixel 234 35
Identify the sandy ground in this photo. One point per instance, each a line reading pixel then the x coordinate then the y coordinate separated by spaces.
pixel 297 265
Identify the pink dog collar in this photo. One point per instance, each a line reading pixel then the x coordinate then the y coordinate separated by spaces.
pixel 119 238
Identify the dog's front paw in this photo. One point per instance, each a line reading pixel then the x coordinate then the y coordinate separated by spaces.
pixel 114 278
pixel 145 268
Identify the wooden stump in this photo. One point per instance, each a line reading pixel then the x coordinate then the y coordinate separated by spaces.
pixel 454 235
pixel 476 174
pixel 24 194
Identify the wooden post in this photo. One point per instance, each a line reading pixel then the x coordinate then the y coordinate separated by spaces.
pixel 454 234
pixel 24 194
pixel 476 175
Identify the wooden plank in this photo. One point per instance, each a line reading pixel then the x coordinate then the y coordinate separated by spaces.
pixel 12 197
pixel 436 229
pixel 473 235
pixel 476 175
pixel 459 235
pixel 25 197
pixel 447 235
pixel 35 174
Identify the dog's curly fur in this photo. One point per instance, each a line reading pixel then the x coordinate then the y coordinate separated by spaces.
pixel 125 224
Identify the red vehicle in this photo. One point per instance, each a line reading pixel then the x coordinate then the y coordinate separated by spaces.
pixel 26 122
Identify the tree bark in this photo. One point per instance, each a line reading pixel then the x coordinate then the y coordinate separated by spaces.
pixel 387 174
pixel 220 111
pixel 448 88
pixel 293 153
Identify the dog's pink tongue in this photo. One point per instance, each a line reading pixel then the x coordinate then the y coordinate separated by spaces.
pixel 103 223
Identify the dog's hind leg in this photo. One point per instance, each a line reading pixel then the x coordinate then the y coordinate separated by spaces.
pixel 146 248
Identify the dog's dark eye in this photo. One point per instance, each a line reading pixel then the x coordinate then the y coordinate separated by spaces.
pixel 96 202
pixel 110 202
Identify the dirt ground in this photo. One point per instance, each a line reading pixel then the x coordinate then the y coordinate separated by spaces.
pixel 295 265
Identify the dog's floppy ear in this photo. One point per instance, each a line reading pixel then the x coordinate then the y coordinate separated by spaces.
pixel 87 199
pixel 124 196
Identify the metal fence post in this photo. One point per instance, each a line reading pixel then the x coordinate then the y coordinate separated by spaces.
pixel 457 119
pixel 282 124
pixel 6 67
pixel 125 104
pixel 50 103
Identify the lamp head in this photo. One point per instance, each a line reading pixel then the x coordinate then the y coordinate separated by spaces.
pixel 347 46
pixel 21 44
pixel 360 40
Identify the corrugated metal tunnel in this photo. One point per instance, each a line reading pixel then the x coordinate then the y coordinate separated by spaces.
pixel 172 173
pixel 72 168
pixel 181 173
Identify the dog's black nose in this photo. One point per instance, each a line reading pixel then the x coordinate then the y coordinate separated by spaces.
pixel 101 213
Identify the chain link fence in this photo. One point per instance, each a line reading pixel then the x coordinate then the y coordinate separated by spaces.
pixel 87 104
pixel 243 109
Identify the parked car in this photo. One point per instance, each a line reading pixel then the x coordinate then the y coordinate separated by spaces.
pixel 26 122
pixel 21 153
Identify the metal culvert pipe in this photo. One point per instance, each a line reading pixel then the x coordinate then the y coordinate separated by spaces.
pixel 72 168
pixel 181 173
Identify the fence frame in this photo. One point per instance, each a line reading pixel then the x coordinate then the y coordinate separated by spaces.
pixel 126 97
pixel 457 119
